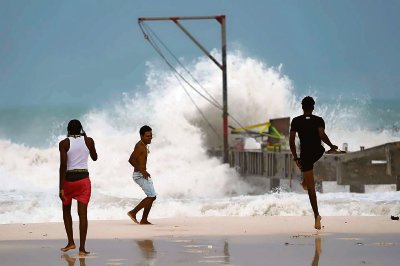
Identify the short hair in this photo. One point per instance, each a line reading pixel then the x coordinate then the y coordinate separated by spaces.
pixel 308 103
pixel 74 127
pixel 144 129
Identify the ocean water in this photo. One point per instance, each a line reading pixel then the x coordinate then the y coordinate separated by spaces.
pixel 188 182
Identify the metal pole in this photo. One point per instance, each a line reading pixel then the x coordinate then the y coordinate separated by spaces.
pixel 197 43
pixel 224 89
pixel 221 19
pixel 179 18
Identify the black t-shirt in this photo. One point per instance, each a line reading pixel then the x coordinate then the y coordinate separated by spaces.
pixel 306 127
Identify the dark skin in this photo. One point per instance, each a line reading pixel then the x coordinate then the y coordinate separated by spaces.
pixel 82 208
pixel 138 160
pixel 308 181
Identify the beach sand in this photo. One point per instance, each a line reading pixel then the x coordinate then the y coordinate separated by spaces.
pixel 273 240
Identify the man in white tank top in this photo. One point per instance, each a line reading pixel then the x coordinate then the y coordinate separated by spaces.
pixel 75 181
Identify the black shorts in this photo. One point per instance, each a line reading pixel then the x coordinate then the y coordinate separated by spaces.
pixel 77 174
pixel 309 157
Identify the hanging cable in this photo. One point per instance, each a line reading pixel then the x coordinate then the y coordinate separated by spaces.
pixel 158 50
pixel 178 75
pixel 148 36
pixel 201 113
pixel 181 65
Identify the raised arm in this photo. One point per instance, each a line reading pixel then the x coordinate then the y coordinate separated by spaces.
pixel 92 149
pixel 325 139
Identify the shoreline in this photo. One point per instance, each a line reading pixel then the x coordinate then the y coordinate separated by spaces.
pixel 272 240
pixel 206 226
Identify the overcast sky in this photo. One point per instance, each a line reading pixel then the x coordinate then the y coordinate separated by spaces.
pixel 86 52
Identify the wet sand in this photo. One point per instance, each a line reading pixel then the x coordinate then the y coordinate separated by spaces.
pixel 276 240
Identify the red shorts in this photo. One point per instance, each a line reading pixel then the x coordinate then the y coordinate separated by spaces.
pixel 79 190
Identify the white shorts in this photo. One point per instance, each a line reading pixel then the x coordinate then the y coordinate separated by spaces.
pixel 145 184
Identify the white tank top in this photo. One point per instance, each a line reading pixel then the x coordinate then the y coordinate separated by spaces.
pixel 78 154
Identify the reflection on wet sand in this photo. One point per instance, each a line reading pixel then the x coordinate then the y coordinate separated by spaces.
pixel 199 252
pixel 71 261
pixel 148 252
pixel 226 253
pixel 317 245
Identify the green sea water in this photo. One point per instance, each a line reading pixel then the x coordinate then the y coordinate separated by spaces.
pixel 36 125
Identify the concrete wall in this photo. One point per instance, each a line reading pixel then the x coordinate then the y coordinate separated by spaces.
pixel 374 166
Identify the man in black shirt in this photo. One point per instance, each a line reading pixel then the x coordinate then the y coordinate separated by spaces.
pixel 311 130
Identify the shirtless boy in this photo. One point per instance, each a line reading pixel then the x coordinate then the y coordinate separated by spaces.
pixel 138 160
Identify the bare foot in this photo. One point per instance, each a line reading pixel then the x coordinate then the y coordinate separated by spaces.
pixel 318 222
pixel 68 247
pixel 145 222
pixel 337 151
pixel 133 217
pixel 83 252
